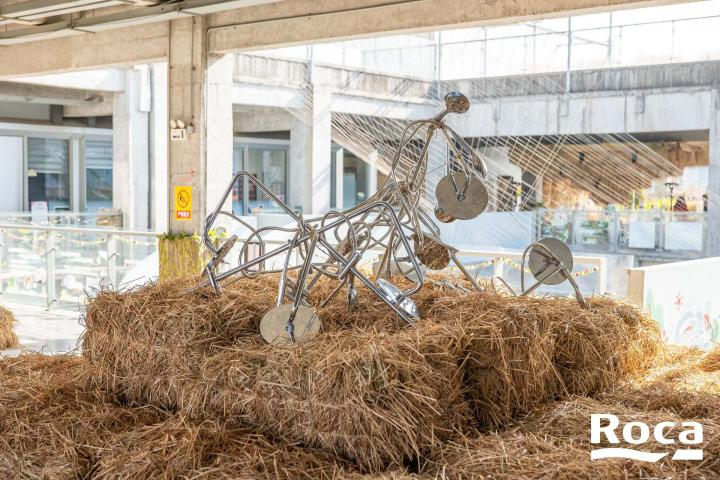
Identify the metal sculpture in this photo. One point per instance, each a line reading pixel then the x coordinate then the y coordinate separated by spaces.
pixel 393 221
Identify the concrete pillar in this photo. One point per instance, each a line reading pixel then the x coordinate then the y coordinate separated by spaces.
pixel 372 173
pixel 130 152
pixel 713 189
pixel 340 179
pixel 299 185
pixel 159 148
pixel 200 95
pixel 321 145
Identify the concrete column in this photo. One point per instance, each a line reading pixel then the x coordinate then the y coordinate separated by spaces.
pixel 372 173
pixel 159 148
pixel 713 189
pixel 200 95
pixel 340 179
pixel 130 153
pixel 321 150
pixel 299 186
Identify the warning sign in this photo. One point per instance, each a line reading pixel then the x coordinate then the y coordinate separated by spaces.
pixel 183 203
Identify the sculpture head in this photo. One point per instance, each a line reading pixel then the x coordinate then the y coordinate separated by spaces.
pixel 456 102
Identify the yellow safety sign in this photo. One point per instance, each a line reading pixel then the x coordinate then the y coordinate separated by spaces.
pixel 183 202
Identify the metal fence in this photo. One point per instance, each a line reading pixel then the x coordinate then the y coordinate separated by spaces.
pixel 62 266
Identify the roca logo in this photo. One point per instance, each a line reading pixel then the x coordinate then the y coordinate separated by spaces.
pixel 638 433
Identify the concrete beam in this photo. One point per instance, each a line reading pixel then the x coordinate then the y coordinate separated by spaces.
pixel 109 80
pixel 23 92
pixel 124 46
pixel 267 96
pixel 289 22
pixel 306 21
pixel 597 113
pixel 104 109
pixel 360 105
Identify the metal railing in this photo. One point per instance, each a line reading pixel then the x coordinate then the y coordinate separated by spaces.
pixel 111 219
pixel 628 232
pixel 62 266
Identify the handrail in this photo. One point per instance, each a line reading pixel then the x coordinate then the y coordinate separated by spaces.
pixel 95 231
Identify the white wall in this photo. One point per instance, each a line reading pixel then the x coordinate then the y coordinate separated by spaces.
pixel 11 179
pixel 682 298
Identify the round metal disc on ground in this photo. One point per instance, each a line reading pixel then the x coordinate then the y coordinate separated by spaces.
pixel 459 200
pixel 273 326
pixel 392 293
pixel 538 260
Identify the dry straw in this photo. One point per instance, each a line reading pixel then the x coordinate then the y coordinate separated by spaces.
pixel 369 388
pixel 554 442
pixel 52 426
pixel 8 339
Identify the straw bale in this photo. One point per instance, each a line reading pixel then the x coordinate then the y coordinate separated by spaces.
pixel 179 448
pixel 554 442
pixel 369 387
pixel 711 360
pixel 678 382
pixel 8 339
pixel 51 425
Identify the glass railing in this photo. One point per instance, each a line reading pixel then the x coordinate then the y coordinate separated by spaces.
pixel 63 266
pixel 627 231
pixel 71 219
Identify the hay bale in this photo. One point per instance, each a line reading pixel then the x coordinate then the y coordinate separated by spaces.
pixel 678 382
pixel 51 425
pixel 8 339
pixel 711 360
pixel 180 255
pixel 368 387
pixel 554 442
pixel 179 448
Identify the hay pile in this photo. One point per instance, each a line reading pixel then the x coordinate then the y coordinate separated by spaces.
pixel 50 425
pixel 54 426
pixel 8 339
pixel 369 388
pixel 554 442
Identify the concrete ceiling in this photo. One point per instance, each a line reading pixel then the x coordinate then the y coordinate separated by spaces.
pixel 32 20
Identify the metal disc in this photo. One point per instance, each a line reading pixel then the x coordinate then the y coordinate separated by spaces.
pixel 461 204
pixel 225 248
pixel 392 293
pixel 538 260
pixel 273 325
pixel 442 216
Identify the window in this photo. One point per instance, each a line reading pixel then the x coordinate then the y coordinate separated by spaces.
pixel 48 174
pixel 98 175
pixel 268 164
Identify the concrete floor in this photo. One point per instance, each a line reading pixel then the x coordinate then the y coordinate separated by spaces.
pixel 40 330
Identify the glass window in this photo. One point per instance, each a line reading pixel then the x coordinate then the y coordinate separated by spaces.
pixel 48 174
pixel 267 163
pixel 98 175
pixel 355 173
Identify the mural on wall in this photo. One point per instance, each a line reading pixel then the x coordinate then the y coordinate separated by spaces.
pixel 684 303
